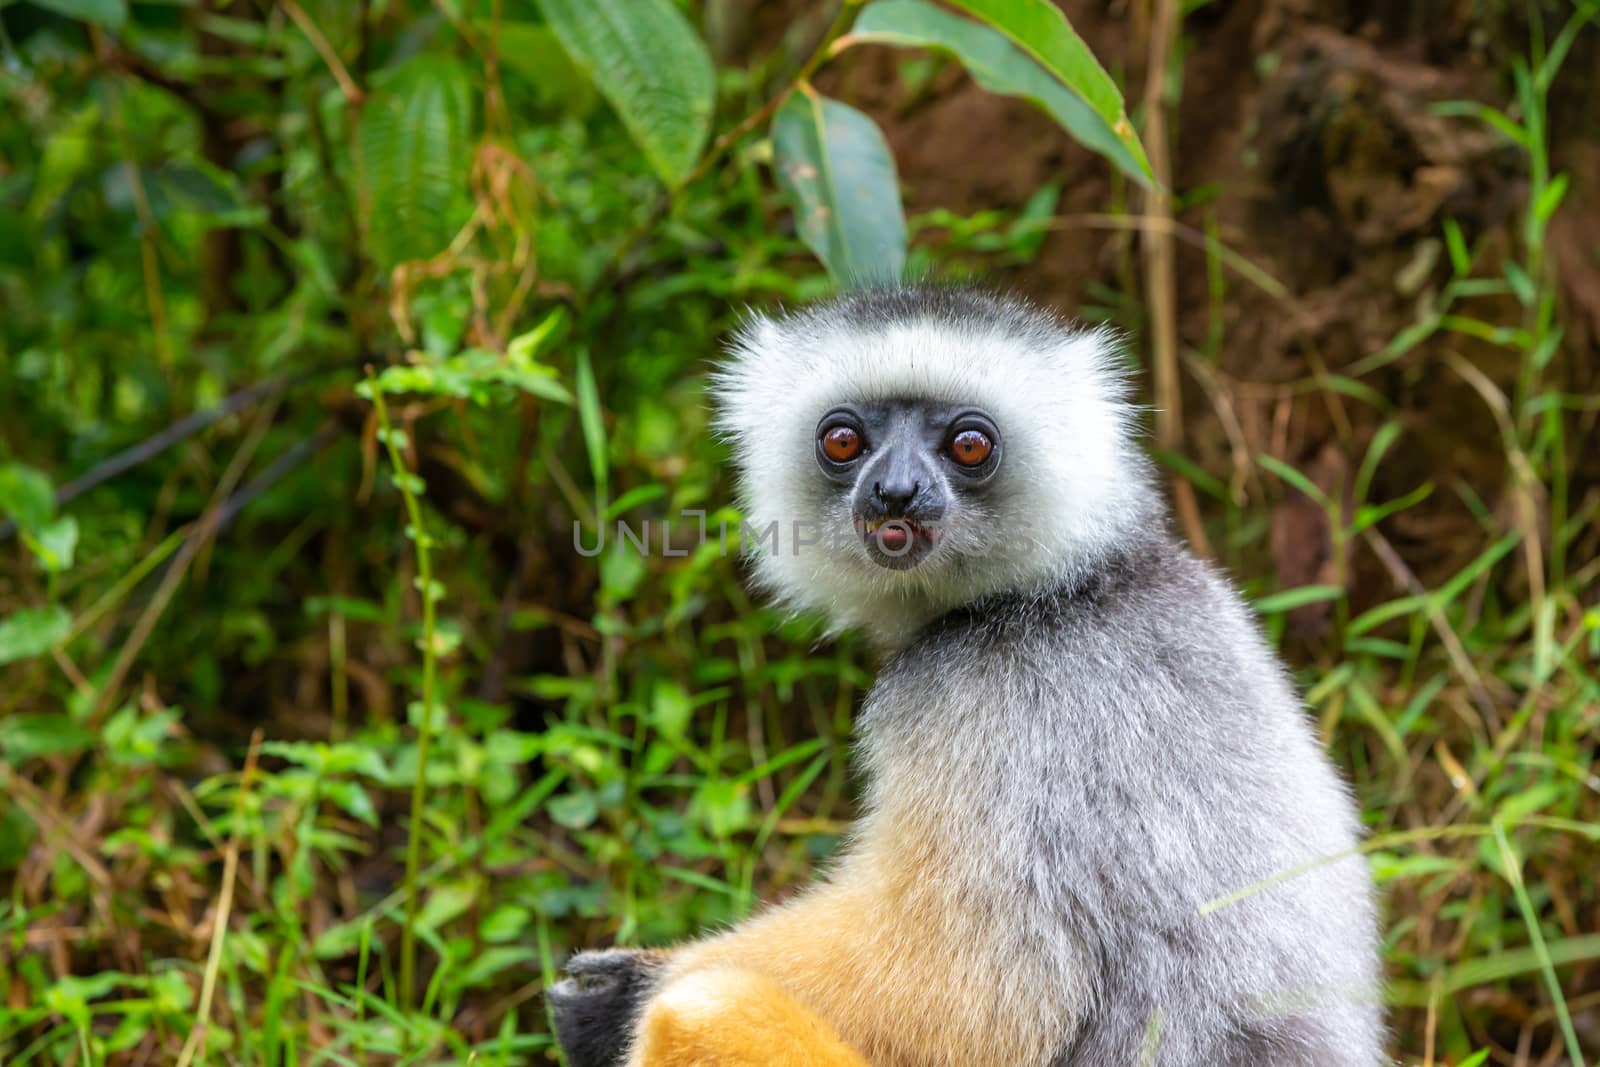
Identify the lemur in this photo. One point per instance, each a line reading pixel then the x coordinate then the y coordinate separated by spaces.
pixel 1078 739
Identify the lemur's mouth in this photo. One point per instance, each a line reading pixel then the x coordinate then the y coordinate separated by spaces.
pixel 896 542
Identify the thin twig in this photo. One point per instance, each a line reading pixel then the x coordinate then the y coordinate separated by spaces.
pixel 1523 477
pixel 1454 649
pixel 403 479
pixel 205 529
pixel 219 925
pixel 184 428
pixel 1161 282
pixel 347 85
pixel 39 807
pixel 1189 235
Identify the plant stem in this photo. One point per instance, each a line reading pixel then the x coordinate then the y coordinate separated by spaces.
pixel 404 482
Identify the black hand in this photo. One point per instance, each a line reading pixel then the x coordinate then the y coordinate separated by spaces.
pixel 598 1003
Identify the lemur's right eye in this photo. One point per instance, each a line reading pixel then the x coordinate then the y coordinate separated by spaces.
pixel 841 443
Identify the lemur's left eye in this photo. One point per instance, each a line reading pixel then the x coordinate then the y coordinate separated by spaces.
pixel 970 447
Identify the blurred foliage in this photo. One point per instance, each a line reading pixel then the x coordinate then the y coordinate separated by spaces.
pixel 289 690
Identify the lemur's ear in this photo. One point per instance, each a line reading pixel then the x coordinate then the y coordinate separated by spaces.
pixel 598 1004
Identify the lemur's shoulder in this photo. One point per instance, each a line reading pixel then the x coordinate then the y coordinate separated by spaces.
pixel 1121 590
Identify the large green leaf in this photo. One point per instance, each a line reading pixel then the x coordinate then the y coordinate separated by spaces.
pixel 108 13
pixel 416 147
pixel 1040 29
pixel 999 66
pixel 648 62
pixel 836 172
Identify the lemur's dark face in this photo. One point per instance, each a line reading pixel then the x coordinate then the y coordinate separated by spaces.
pixel 907 467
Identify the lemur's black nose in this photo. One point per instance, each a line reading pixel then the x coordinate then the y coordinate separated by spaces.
pixel 896 497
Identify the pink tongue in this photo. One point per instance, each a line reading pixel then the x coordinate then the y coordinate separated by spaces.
pixel 893 538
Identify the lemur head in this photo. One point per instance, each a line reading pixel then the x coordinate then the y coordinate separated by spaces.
pixel 922 448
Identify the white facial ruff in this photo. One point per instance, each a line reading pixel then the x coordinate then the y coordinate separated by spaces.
pixel 1071 487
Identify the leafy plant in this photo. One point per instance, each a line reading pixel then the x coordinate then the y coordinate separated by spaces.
pixel 339 708
pixel 833 164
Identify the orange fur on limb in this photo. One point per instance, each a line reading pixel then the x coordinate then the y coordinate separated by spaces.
pixel 880 959
pixel 726 1017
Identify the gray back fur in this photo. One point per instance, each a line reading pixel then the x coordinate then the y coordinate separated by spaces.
pixel 1128 750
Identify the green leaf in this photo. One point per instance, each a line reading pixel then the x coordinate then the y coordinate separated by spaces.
pixel 1550 199
pixel 1460 258
pixel 197 187
pixel 1040 29
pixel 353 799
pixel 348 606
pixel 135 739
pixel 1389 867
pixel 791 755
pixel 593 423
pixel 1289 599
pixel 67 153
pixel 575 811
pixel 1493 117
pixel 723 806
pixel 639 494
pixel 1368 515
pixel 32 631
pixel 26 496
pixel 622 569
pixel 1391 609
pixel 1000 67
pixel 1386 436
pixel 1546 349
pixel 446 902
pixel 488 962
pixel 108 13
pixel 505 923
pixel 512 747
pixel 1447 593
pixel 1521 284
pixel 836 172
pixel 473 375
pixel 415 140
pixel 525 346
pixel 696 878
pixel 28 735
pixel 1541 951
pixel 55 543
pixel 348 757
pixel 340 939
pixel 647 61
pixel 671 709
pixel 1533 799
pixel 1294 478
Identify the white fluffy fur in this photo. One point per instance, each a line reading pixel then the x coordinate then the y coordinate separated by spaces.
pixel 1071 482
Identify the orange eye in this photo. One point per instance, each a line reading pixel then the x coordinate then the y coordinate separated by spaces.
pixel 841 443
pixel 970 447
